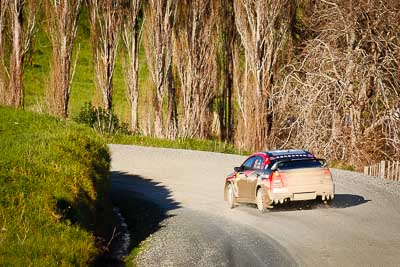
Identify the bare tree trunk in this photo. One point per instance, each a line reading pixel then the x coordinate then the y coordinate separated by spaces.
pixel 17 57
pixel 3 72
pixel 240 84
pixel 228 38
pixel 62 25
pixel 21 40
pixel 172 115
pixel 3 9
pixel 160 16
pixel 349 84
pixel 262 26
pixel 105 27
pixel 195 59
pixel 131 38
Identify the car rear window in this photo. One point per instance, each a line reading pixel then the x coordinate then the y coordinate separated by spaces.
pixel 289 165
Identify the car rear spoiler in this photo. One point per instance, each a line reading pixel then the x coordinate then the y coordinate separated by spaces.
pixel 275 166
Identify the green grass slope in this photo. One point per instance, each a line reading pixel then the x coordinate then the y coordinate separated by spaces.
pixel 191 144
pixel 53 191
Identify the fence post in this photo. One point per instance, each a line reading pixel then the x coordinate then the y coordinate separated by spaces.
pixel 393 171
pixel 366 170
pixel 377 170
pixel 373 169
pixel 378 173
pixel 397 171
pixel 382 171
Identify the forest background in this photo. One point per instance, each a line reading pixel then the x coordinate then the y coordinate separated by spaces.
pixel 258 74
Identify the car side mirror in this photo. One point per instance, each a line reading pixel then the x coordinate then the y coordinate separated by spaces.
pixel 238 169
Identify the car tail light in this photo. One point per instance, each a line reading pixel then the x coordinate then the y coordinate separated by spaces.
pixel 276 180
pixel 327 172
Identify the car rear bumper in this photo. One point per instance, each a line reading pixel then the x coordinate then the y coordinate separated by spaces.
pixel 305 192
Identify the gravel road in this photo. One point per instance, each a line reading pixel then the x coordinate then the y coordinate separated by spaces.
pixel 361 228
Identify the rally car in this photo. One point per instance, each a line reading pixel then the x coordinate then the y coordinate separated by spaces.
pixel 278 176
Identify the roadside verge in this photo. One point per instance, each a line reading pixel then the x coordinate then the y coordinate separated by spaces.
pixel 54 203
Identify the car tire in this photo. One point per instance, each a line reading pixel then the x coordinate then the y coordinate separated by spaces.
pixel 231 196
pixel 261 201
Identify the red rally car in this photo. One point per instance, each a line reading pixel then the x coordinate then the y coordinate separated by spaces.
pixel 272 177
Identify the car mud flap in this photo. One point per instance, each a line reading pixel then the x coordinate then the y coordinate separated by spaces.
pixel 235 189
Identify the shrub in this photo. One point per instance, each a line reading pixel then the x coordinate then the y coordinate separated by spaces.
pixel 104 122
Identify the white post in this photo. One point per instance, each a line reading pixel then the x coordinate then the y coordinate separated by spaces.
pixel 392 173
pixel 378 169
pixel 382 169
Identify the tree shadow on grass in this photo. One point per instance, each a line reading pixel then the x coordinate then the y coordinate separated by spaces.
pixel 340 201
pixel 143 203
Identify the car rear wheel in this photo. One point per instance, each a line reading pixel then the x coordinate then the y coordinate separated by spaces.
pixel 231 197
pixel 261 200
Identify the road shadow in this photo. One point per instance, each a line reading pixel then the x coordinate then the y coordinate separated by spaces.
pixel 340 201
pixel 144 204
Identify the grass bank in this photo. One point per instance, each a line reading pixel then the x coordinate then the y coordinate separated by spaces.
pixel 191 144
pixel 53 191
